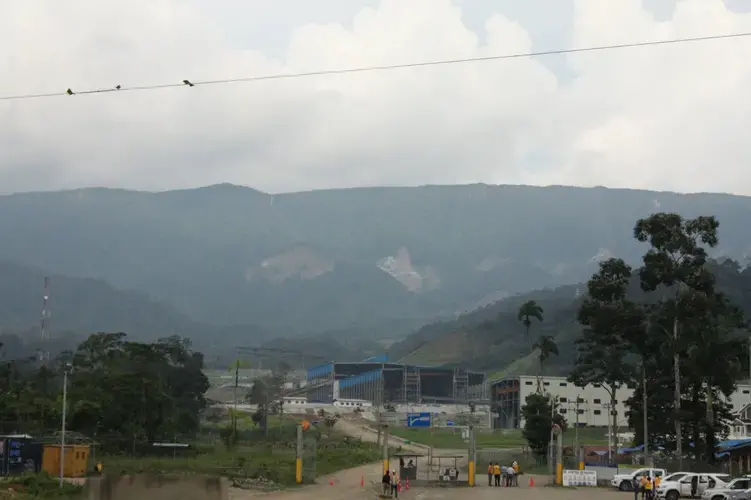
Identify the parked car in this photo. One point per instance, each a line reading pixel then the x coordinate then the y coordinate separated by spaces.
pixel 625 482
pixel 682 488
pixel 737 485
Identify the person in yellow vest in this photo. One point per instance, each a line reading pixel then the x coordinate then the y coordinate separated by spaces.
pixel 657 482
pixel 643 486
pixel 394 484
pixel 497 474
pixel 648 488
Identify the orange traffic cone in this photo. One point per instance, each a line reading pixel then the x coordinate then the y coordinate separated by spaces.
pixel 531 482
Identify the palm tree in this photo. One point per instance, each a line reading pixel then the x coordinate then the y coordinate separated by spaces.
pixel 528 311
pixel 547 347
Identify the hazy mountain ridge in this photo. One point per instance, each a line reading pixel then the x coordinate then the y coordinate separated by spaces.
pixel 346 259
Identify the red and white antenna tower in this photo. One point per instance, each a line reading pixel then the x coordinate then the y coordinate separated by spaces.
pixel 45 316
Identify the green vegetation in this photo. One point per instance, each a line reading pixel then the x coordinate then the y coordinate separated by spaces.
pixel 271 460
pixel 202 252
pixel 123 396
pixel 447 438
pixel 679 336
pixel 39 486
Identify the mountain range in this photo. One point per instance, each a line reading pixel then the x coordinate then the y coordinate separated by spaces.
pixel 233 264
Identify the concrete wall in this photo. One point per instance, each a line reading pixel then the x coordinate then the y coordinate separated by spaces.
pixel 143 486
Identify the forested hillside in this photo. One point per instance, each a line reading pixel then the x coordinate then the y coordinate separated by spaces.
pixel 369 260
pixel 493 339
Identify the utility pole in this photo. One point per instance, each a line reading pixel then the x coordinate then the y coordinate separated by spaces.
pixel 647 461
pixel 378 403
pixel 234 396
pixel 43 354
pixel 66 368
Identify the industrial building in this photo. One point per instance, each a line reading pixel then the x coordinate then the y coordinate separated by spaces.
pixel 589 405
pixel 377 380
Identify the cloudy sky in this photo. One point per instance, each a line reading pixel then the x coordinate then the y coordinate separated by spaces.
pixel 671 117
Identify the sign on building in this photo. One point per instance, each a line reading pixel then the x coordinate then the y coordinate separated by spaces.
pixel 418 419
pixel 579 478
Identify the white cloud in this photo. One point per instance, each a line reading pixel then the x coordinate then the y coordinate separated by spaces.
pixel 668 117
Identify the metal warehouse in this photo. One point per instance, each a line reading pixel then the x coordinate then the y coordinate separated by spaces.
pixel 375 379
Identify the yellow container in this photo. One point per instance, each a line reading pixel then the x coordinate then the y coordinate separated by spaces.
pixel 76 458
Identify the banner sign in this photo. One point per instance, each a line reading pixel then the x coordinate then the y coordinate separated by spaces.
pixel 579 478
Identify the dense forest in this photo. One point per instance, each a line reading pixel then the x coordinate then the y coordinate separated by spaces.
pixel 119 391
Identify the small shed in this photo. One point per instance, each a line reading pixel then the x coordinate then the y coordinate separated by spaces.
pixel 75 459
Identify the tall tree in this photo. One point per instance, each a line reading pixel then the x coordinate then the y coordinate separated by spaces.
pixel 527 312
pixel 539 416
pixel 609 320
pixel 546 347
pixel 676 261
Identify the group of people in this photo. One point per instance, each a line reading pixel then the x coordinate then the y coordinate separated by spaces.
pixel 390 483
pixel 647 486
pixel 503 475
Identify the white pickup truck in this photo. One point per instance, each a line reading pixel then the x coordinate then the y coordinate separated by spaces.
pixel 691 485
pixel 625 482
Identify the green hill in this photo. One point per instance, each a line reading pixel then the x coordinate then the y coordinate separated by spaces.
pixel 373 262
pixel 492 339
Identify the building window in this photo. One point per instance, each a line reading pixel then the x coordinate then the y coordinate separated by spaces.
pixel 580 412
pixel 597 412
pixel 745 391
pixel 546 383
pixel 562 411
pixel 528 382
pixel 563 384
pixel 596 401
pixel 563 400
pixel 597 386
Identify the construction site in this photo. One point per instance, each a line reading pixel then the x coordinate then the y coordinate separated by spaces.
pixel 379 381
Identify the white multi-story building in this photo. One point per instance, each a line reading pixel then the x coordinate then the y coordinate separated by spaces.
pixel 589 405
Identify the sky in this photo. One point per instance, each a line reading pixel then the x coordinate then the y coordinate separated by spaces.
pixel 674 117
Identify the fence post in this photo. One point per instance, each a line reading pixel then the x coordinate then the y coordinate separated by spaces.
pixel 298 459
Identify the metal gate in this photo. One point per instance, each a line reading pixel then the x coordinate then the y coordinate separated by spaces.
pixel 309 451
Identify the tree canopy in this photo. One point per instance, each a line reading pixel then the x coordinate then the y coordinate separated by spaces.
pixel 119 391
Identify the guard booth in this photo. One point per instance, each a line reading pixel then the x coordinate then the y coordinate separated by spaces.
pixel 408 466
pixel 424 470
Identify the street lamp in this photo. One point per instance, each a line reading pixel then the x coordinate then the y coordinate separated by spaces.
pixel 67 368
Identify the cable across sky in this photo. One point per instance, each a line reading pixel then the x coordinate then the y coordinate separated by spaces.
pixel 366 69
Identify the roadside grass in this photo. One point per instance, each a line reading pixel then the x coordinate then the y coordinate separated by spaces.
pixel 451 438
pixel 256 456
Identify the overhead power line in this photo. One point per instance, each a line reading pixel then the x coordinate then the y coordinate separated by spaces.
pixel 366 69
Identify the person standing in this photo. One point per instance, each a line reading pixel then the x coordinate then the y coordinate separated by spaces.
pixel 490 474
pixel 511 481
pixel 497 473
pixel 504 475
pixel 394 484
pixel 648 488
pixel 386 482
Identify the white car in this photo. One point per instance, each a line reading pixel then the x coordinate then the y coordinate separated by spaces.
pixel 673 490
pixel 729 491
pixel 625 482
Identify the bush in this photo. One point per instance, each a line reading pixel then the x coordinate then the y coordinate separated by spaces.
pixel 40 485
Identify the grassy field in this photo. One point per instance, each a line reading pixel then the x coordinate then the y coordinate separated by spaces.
pixel 448 438
pixel 255 456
